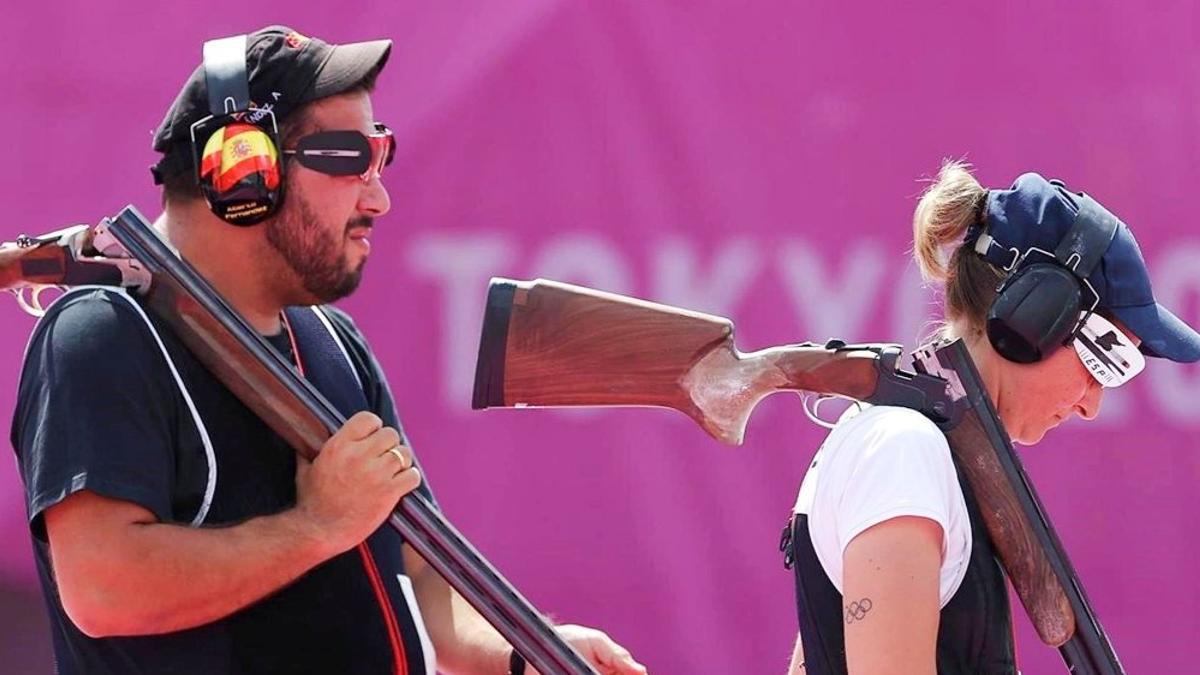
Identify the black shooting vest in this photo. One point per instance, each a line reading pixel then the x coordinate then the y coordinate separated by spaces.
pixel 327 367
pixel 354 614
pixel 975 628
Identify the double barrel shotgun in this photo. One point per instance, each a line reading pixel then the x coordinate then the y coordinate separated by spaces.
pixel 126 251
pixel 546 343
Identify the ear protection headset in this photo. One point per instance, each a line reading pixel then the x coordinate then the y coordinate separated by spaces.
pixel 236 148
pixel 1047 296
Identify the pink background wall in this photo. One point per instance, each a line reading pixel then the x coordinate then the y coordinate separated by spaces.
pixel 756 160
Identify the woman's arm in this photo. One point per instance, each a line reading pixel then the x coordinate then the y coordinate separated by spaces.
pixel 890 601
pixel 797 665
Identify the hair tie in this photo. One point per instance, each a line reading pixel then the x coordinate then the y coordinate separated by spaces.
pixel 979 221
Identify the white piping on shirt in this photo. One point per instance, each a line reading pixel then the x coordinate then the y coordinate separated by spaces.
pixel 338 341
pixel 210 455
pixel 428 654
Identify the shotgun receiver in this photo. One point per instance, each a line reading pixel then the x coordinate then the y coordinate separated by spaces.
pixel 546 343
pixel 127 251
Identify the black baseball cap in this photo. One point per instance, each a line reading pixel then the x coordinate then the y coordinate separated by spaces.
pixel 285 70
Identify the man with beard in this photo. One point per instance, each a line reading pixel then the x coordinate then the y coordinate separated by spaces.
pixel 174 531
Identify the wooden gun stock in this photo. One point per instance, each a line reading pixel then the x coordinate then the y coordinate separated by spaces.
pixel 550 344
pixel 24 262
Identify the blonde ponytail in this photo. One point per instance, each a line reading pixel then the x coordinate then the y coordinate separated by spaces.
pixel 951 204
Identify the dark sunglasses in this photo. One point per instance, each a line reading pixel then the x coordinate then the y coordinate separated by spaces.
pixel 347 153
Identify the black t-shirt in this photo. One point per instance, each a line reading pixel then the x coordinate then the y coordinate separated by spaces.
pixel 100 408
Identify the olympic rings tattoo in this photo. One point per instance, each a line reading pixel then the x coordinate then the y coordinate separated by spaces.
pixel 857 611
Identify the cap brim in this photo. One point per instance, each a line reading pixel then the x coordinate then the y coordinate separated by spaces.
pixel 349 65
pixel 1163 334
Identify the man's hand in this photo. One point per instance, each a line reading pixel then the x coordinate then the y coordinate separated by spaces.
pixel 121 572
pixel 607 656
pixel 355 481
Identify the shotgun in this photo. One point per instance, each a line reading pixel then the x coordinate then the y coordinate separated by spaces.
pixel 127 251
pixel 546 343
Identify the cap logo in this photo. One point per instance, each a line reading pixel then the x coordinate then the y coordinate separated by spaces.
pixel 1107 353
pixel 295 40
pixel 1108 341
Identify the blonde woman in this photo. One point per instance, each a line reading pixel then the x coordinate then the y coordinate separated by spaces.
pixel 895 573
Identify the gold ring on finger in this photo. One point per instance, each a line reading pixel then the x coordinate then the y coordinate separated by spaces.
pixel 400 456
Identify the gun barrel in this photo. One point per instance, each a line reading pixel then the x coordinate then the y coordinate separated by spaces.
pixel 294 408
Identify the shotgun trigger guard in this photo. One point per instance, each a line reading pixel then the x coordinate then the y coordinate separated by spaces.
pixel 920 391
pixel 91 256
pixel 925 393
pixel 812 407
pixel 29 298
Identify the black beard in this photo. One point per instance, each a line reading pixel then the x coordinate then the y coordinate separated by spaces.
pixel 316 256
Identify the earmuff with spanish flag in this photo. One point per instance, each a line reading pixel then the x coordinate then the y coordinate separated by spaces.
pixel 236 148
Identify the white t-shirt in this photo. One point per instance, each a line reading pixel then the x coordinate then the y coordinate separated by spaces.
pixel 878 464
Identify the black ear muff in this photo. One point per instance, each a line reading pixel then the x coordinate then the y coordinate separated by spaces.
pixel 1036 311
pixel 1046 296
pixel 236 148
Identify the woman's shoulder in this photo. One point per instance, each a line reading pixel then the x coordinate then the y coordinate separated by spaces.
pixel 887 442
pixel 889 424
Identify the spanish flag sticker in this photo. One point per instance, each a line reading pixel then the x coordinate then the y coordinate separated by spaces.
pixel 236 151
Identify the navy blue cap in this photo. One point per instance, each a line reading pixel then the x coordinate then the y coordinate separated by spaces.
pixel 1037 213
